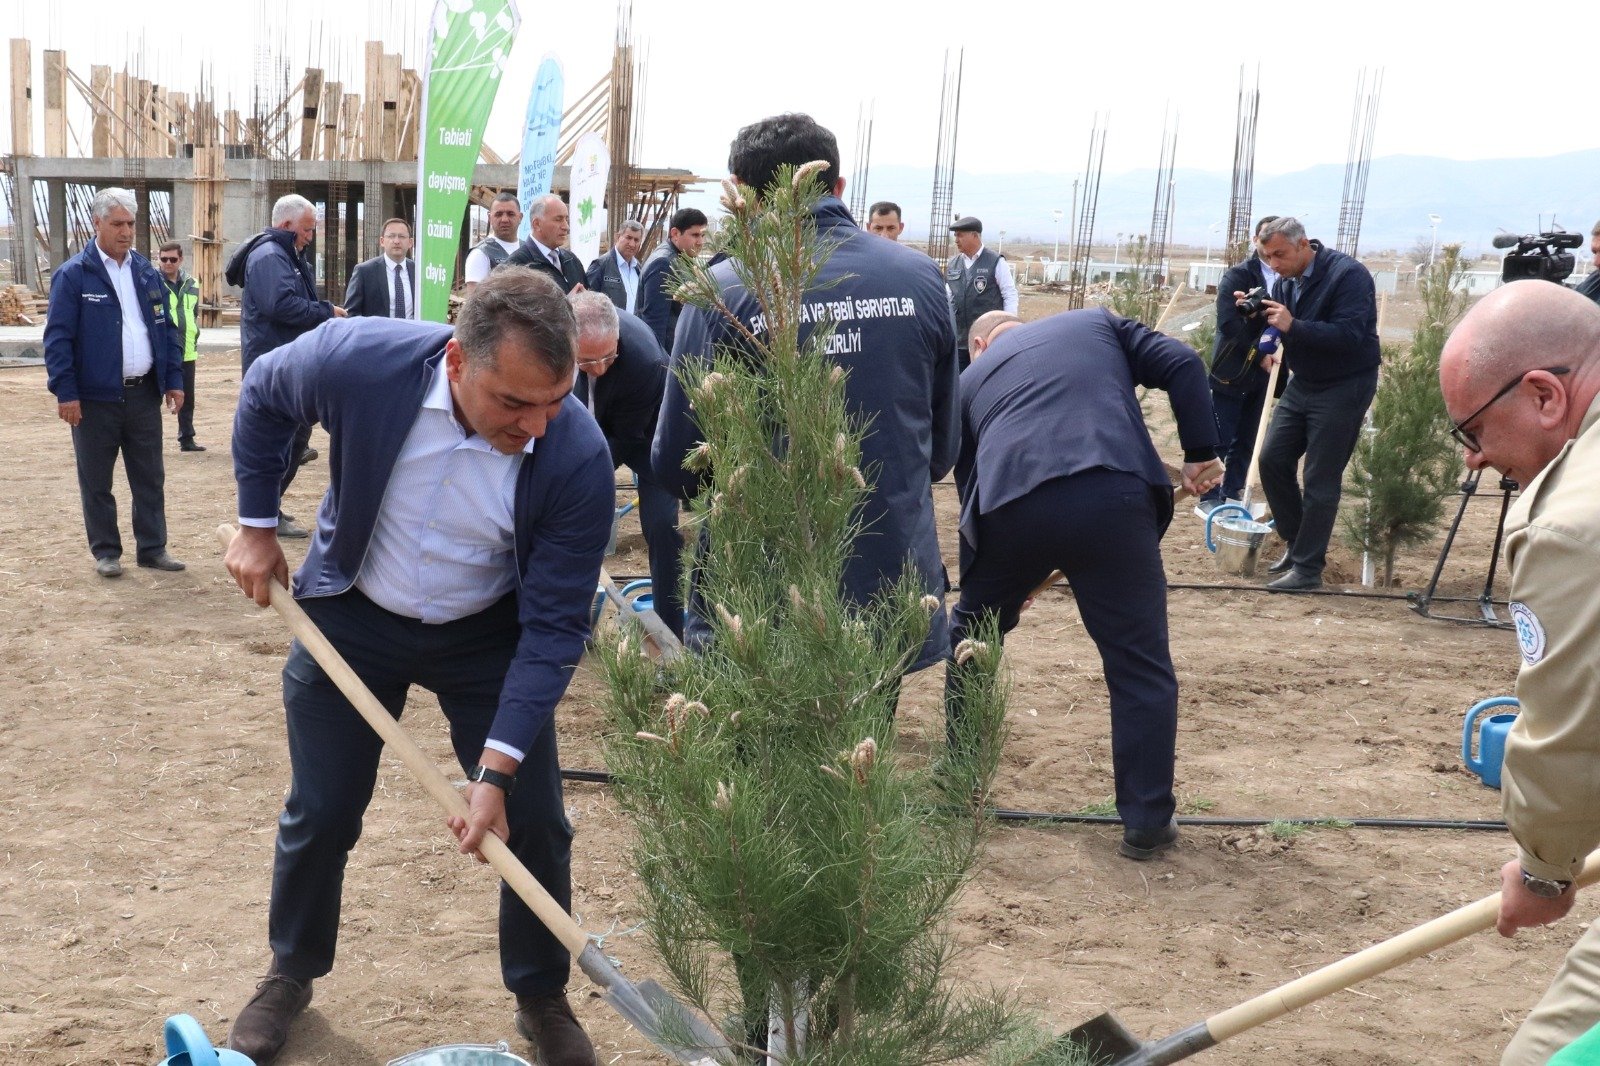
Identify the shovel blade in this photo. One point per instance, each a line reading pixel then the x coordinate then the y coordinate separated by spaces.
pixel 1104 1039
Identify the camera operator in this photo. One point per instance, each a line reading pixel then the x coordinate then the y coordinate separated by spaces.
pixel 1325 307
pixel 1238 380
pixel 1590 285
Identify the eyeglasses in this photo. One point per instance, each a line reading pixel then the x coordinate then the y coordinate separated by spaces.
pixel 172 258
pixel 604 360
pixel 1468 439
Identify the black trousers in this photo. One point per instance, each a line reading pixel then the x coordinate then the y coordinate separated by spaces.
pixel 333 754
pixel 131 428
pixel 1238 417
pixel 186 412
pixel 1321 423
pixel 658 518
pixel 1102 529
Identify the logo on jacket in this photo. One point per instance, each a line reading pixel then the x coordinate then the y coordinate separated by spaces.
pixel 1530 634
pixel 981 284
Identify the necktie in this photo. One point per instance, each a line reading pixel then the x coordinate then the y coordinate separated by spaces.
pixel 400 291
pixel 555 261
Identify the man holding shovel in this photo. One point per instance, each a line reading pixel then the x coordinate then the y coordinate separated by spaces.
pixel 458 548
pixel 1521 377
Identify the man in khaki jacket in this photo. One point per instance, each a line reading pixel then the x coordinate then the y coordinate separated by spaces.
pixel 1520 376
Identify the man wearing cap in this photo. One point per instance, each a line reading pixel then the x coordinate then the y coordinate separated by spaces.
pixel 979 281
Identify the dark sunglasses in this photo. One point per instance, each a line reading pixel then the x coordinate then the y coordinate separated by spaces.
pixel 1468 439
pixel 172 259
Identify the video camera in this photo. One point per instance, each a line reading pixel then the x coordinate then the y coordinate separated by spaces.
pixel 1538 255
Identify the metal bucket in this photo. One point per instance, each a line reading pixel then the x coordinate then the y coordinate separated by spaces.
pixel 497 1054
pixel 1238 545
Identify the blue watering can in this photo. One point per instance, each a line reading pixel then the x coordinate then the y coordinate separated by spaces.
pixel 1491 738
pixel 635 592
pixel 187 1046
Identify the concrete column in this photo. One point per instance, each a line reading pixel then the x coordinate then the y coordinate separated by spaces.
pixel 141 225
pixel 57 193
pixel 26 226
pixel 183 218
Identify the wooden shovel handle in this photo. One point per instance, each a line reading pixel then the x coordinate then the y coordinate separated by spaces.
pixel 506 864
pixel 1379 958
pixel 1266 418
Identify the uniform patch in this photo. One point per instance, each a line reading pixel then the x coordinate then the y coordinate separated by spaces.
pixel 981 284
pixel 1530 634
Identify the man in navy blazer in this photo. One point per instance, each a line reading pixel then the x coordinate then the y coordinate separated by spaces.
pixel 385 286
pixel 902 379
pixel 1057 472
pixel 112 353
pixel 457 548
pixel 622 375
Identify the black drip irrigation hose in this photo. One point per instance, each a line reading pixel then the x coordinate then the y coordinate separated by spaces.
pixel 601 777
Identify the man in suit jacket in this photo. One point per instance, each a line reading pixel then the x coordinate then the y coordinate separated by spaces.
pixel 1327 311
pixel 617 272
pixel 902 376
pixel 623 374
pixel 685 236
pixel 1057 472
pixel 452 553
pixel 385 286
pixel 113 353
pixel 547 232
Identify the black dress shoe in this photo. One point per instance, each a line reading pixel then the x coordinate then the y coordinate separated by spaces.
pixel 108 567
pixel 161 561
pixel 262 1027
pixel 289 529
pixel 307 456
pixel 548 1023
pixel 1295 581
pixel 1141 845
pixel 190 446
pixel 1283 565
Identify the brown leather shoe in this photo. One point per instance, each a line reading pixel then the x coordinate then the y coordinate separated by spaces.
pixel 548 1024
pixel 262 1027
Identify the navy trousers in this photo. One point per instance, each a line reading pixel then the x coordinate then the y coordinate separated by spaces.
pixel 1102 529
pixel 1321 422
pixel 333 754
pixel 658 518
pixel 1238 417
pixel 131 429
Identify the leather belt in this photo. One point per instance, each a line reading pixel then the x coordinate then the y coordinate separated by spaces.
pixel 129 383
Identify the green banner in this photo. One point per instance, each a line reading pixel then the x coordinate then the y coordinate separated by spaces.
pixel 470 42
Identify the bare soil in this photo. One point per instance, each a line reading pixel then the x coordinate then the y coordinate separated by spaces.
pixel 144 763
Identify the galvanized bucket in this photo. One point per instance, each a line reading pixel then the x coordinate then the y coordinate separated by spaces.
pixel 1238 545
pixel 497 1054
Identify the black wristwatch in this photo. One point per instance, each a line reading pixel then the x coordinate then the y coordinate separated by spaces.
pixel 1544 887
pixel 503 782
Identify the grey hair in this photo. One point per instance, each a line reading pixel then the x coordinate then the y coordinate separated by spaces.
pixel 633 225
pixel 106 199
pixel 520 304
pixel 536 209
pixel 506 197
pixel 987 323
pixel 1288 226
pixel 290 208
pixel 596 314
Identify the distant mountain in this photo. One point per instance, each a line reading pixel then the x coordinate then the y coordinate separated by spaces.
pixel 1474 199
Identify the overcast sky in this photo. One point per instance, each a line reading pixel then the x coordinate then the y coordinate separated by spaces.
pixel 1478 82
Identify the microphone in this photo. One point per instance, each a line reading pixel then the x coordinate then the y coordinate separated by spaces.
pixel 1506 240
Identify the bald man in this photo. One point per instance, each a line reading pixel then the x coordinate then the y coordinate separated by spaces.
pixel 1520 377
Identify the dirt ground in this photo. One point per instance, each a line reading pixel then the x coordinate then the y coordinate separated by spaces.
pixel 144 763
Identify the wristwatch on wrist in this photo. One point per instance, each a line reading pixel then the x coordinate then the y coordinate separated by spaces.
pixel 503 782
pixel 1544 887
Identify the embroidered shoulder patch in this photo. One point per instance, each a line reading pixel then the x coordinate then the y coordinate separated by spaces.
pixel 1530 634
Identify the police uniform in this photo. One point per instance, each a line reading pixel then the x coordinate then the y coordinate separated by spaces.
pixel 1551 790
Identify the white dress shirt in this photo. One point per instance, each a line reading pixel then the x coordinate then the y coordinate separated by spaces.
pixel 137 358
pixel 442 546
pixel 478 265
pixel 550 255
